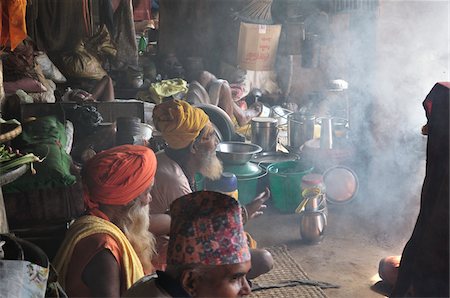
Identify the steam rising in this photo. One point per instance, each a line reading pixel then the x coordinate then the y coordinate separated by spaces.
pixel 397 54
pixel 391 54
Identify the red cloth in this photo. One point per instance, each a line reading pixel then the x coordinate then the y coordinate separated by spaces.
pixel 438 90
pixel 118 175
pixel 141 10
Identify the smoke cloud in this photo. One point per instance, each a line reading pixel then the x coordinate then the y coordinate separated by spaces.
pixel 396 55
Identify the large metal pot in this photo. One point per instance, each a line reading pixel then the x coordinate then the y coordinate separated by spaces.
pixel 281 114
pixel 300 129
pixel 265 133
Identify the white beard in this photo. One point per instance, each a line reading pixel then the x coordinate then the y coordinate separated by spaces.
pixel 137 231
pixel 211 166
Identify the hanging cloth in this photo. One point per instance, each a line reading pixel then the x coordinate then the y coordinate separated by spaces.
pixel 125 35
pixel 58 25
pixel 87 17
pixel 12 25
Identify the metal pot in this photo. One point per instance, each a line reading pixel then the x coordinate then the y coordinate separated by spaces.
pixel 300 129
pixel 281 114
pixel 265 132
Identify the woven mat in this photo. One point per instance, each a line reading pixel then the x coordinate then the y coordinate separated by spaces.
pixel 285 268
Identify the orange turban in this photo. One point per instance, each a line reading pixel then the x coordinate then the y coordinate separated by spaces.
pixel 118 175
pixel 179 122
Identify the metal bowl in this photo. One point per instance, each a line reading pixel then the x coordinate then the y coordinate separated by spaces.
pixel 236 153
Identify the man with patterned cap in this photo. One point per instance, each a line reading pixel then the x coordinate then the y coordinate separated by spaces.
pixel 110 247
pixel 208 255
pixel 192 143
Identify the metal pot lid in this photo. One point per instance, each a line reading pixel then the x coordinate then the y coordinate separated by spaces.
pixel 272 157
pixel 246 170
pixel 341 184
pixel 264 120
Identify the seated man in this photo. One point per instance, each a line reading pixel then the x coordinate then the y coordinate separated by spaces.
pixel 192 143
pixel 103 90
pixel 110 248
pixel 208 255
pixel 208 89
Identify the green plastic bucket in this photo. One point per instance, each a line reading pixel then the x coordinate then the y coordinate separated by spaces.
pixel 284 180
pixel 249 187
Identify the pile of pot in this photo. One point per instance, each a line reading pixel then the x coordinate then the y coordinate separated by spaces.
pixel 236 157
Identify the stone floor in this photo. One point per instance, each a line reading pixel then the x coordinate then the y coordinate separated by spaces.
pixel 375 224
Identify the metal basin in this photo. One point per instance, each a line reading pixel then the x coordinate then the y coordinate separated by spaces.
pixel 236 152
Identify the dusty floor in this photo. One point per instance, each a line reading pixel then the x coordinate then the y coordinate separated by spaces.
pixel 377 223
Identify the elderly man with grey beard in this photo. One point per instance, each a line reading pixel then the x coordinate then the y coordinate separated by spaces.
pixel 192 143
pixel 110 247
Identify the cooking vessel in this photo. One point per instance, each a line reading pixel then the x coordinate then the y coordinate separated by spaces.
pixel 300 129
pixel 236 153
pixel 265 132
pixel 250 180
pixel 281 114
pixel 264 159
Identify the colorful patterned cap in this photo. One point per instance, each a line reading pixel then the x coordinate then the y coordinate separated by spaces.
pixel 206 229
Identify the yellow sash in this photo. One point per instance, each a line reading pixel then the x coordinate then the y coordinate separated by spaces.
pixel 89 225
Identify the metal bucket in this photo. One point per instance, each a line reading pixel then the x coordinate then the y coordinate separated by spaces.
pixel 281 114
pixel 300 129
pixel 265 133
pixel 128 130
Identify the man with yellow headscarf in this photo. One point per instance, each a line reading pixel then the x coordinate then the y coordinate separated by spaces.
pixel 110 248
pixel 192 143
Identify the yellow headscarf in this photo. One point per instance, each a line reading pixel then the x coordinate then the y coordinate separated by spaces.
pixel 179 122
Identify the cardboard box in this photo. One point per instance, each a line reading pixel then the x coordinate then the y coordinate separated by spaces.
pixel 257 46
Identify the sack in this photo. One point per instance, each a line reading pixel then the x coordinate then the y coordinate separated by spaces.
pixel 45 137
pixel 24 270
pixel 257 46
pixel 49 69
pixel 82 64
pixel 101 43
pixel 44 96
pixel 19 64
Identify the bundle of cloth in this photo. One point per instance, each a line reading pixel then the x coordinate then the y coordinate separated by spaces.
pixel 30 72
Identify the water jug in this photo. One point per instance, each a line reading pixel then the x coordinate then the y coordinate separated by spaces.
pixel 312 226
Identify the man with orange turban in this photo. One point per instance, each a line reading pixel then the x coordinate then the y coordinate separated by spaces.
pixel 192 144
pixel 110 248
